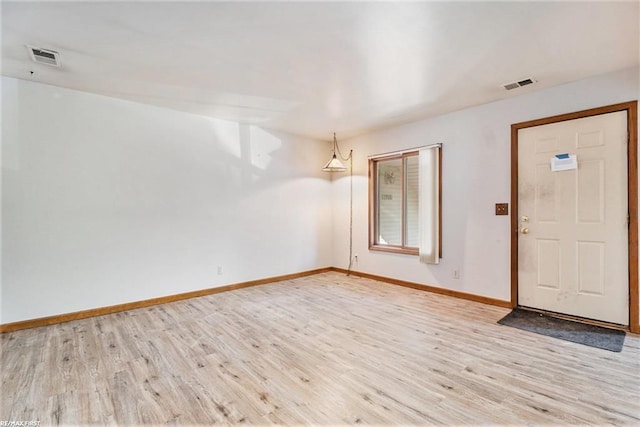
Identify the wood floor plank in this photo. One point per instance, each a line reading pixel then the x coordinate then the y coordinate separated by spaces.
pixel 323 350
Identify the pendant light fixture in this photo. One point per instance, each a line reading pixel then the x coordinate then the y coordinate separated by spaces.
pixel 334 164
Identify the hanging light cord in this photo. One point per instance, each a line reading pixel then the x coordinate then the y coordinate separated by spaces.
pixel 350 212
pixel 336 147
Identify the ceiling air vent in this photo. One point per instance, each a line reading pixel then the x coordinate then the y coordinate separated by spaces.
pixel 515 85
pixel 44 56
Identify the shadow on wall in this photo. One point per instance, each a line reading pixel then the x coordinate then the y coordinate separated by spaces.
pixel 248 156
pixel 245 152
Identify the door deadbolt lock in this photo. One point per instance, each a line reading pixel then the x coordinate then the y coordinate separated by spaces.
pixel 524 218
pixel 524 230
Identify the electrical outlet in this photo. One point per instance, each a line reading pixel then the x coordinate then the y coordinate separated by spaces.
pixel 502 208
pixel 456 274
pixel 355 257
pixel 219 270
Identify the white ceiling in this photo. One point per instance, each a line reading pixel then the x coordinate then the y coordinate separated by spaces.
pixel 316 68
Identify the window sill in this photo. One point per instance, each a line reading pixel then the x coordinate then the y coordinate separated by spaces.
pixel 394 249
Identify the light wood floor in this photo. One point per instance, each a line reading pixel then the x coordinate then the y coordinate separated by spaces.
pixel 326 349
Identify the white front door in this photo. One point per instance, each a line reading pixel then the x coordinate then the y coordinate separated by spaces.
pixel 573 238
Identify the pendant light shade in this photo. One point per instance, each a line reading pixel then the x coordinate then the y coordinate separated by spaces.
pixel 334 164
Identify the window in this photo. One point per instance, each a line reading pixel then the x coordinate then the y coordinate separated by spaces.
pixel 405 203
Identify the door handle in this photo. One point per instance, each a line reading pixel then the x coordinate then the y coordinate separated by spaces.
pixel 524 230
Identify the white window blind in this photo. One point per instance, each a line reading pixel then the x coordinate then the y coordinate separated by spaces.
pixel 429 204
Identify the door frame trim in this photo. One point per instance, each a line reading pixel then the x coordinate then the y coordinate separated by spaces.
pixel 632 196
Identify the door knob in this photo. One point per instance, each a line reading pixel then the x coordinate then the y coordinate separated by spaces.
pixel 524 230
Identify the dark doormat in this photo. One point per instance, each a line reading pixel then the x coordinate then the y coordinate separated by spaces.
pixel 591 335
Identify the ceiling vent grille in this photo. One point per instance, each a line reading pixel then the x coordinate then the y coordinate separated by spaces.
pixel 44 56
pixel 515 85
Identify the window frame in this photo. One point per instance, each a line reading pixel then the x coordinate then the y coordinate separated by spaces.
pixel 373 212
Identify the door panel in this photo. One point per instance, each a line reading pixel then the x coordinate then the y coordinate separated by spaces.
pixel 548 263
pixel 572 247
pixel 590 187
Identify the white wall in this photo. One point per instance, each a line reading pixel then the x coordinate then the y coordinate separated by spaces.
pixel 476 175
pixel 106 201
